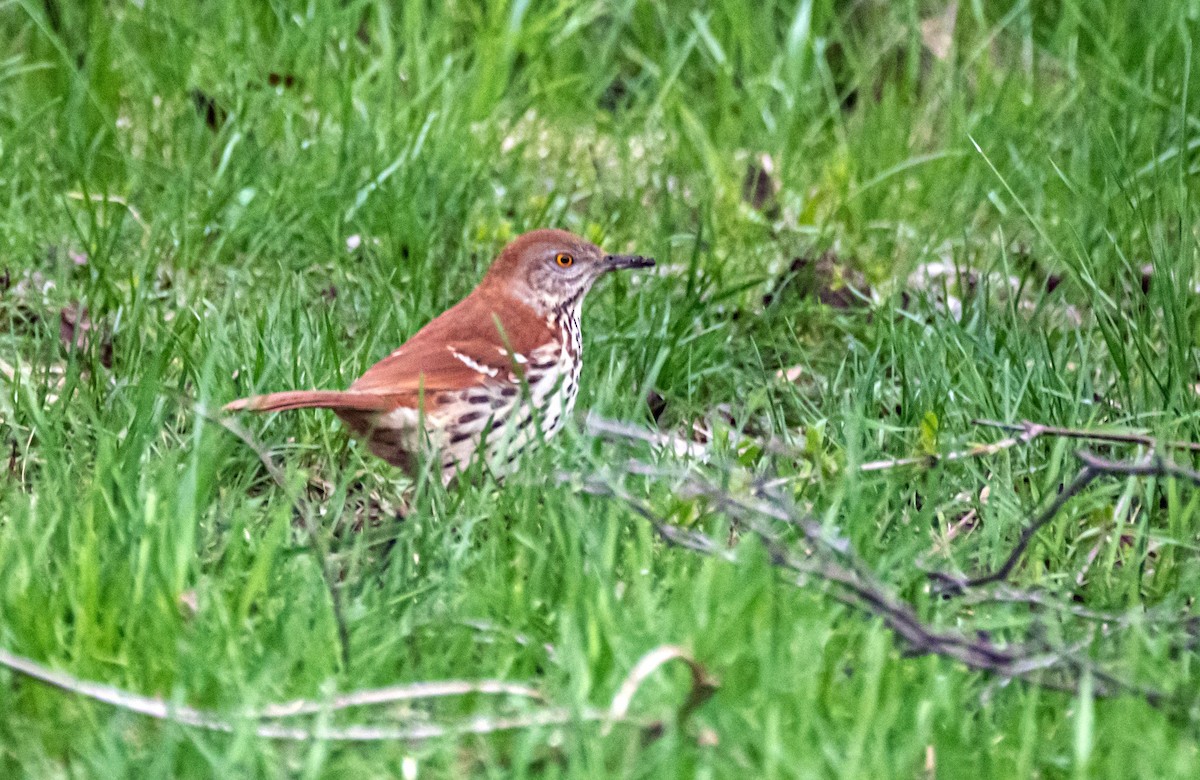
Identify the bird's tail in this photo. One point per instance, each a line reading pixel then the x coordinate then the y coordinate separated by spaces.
pixel 313 399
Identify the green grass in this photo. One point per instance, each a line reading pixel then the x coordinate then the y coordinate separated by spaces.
pixel 1056 140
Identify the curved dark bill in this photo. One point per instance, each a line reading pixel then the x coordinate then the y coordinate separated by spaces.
pixel 617 262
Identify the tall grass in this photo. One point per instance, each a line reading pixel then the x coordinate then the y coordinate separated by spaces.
pixel 196 175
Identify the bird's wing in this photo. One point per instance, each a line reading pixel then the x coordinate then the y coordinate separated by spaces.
pixel 481 340
pixel 447 366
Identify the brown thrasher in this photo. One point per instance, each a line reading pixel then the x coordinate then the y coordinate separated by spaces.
pixel 490 374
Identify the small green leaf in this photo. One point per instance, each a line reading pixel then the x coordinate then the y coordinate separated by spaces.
pixel 929 434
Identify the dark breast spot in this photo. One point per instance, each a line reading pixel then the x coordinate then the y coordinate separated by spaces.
pixel 461 436
pixel 469 417
pixel 508 391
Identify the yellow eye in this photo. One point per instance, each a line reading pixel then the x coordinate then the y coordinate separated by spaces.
pixel 564 260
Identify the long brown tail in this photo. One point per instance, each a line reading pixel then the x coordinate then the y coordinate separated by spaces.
pixel 313 399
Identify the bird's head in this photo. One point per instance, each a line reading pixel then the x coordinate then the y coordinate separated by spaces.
pixel 553 269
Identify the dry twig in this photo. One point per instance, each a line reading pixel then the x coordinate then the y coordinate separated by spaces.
pixel 703 684
pixel 1080 433
pixel 1093 468
pixel 154 707
pixel 975 451
pixel 120 201
pixel 835 564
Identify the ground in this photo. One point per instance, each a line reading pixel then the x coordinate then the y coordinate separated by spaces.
pixel 876 223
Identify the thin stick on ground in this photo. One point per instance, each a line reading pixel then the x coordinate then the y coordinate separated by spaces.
pixel 1042 600
pixel 852 583
pixel 1027 431
pixel 247 438
pixel 701 688
pixel 1028 434
pixel 949 584
pixel 1082 433
pixel 703 684
pixel 1093 468
pixel 120 201
pixel 396 693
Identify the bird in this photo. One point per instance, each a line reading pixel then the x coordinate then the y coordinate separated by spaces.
pixel 492 375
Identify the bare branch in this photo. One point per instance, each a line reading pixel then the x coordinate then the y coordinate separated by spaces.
pixel 1153 466
pixel 614 429
pixel 976 451
pixel 1079 433
pixel 835 564
pixel 1006 594
pixel 703 684
pixel 120 201
pixel 950 585
pixel 618 711
pixel 833 561
pixel 1093 467
pixel 247 438
pixel 395 693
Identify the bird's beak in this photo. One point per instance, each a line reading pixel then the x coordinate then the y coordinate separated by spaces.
pixel 619 262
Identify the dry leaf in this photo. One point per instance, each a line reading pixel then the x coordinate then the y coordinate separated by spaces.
pixel 188 603
pixel 657 404
pixel 759 188
pixel 76 331
pixel 834 283
pixel 790 374
pixel 207 106
pixel 937 32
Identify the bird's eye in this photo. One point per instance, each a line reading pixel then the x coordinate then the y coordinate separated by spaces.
pixel 564 260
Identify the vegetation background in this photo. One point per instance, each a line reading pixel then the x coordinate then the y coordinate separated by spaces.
pixel 875 222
